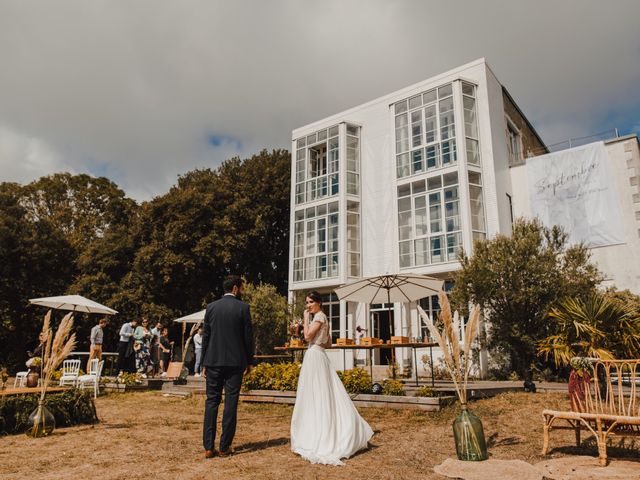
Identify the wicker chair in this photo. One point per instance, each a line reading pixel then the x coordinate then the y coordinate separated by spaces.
pixel 609 406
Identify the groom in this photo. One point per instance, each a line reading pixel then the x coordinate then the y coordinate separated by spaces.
pixel 227 350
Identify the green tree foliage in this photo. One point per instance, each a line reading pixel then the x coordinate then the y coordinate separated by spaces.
pixel 212 223
pixel 270 316
pixel 517 279
pixel 35 259
pixel 165 258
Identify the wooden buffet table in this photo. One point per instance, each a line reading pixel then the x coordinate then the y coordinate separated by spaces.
pixel 370 349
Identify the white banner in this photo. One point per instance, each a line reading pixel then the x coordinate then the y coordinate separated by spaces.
pixel 575 189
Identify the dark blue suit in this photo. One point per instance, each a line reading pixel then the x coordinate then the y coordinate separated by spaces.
pixel 227 349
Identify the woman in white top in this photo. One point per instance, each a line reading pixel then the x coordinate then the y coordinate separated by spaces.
pixel 325 426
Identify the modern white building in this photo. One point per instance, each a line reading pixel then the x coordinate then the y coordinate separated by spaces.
pixel 400 184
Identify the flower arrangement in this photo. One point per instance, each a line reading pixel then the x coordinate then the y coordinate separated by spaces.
pixel 56 349
pixel 34 362
pixel 581 365
pixel 457 359
pixel 467 428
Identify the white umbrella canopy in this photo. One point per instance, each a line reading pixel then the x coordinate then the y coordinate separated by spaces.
pixel 390 289
pixel 193 318
pixel 75 303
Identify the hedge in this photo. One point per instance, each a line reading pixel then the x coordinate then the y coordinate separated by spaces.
pixel 73 407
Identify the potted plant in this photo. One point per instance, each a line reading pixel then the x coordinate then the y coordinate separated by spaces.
pixel 467 428
pixel 34 364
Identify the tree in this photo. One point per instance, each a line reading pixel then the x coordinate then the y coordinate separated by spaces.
pixel 213 223
pixel 517 279
pixel 269 314
pixel 35 259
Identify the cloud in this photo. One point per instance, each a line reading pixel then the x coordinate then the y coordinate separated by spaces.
pixel 146 90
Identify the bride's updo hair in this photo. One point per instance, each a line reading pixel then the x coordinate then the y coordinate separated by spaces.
pixel 315 296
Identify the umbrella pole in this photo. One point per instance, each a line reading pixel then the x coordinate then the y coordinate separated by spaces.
pixel 392 330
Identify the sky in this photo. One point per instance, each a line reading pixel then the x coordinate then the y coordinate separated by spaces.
pixel 143 91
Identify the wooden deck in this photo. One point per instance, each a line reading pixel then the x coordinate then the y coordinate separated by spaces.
pixel 27 391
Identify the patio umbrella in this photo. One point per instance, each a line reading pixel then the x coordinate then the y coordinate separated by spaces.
pixel 197 318
pixel 389 289
pixel 193 318
pixel 75 303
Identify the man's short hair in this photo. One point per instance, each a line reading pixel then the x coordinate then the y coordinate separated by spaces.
pixel 230 282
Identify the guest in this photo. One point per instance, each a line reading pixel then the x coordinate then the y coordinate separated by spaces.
pixel 197 343
pixel 142 336
pixel 165 351
pixel 360 333
pixel 125 347
pixel 155 347
pixel 95 350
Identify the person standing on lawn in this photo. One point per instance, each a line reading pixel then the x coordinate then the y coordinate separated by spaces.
pixel 227 351
pixel 125 348
pixel 197 344
pixel 95 350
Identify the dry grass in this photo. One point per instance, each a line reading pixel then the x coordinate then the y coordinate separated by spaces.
pixel 146 435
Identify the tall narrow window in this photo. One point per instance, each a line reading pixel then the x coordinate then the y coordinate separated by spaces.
pixel 476 206
pixel 514 144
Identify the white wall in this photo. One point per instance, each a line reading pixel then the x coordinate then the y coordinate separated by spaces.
pixel 619 263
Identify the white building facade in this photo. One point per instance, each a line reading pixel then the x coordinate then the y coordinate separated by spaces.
pixel 402 183
pixel 399 185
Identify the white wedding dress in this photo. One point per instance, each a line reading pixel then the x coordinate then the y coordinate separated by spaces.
pixel 325 426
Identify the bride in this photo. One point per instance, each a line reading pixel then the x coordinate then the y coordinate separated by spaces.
pixel 325 425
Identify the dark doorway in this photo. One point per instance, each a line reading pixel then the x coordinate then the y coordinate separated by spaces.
pixel 382 330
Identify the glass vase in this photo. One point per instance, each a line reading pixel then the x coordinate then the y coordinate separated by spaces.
pixel 469 436
pixel 41 422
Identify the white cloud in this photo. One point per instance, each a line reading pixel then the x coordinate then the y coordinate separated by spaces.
pixel 135 90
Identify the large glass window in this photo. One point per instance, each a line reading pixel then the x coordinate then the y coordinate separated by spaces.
pixel 429 227
pixel 315 242
pixel 425 132
pixel 317 165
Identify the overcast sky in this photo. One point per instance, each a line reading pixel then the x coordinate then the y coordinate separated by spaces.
pixel 142 91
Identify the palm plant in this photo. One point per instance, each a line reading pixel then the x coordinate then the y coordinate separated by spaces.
pixel 593 327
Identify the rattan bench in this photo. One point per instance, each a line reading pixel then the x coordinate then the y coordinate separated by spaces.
pixel 609 406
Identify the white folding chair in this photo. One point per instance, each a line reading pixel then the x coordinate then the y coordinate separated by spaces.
pixel 21 379
pixel 92 379
pixel 70 371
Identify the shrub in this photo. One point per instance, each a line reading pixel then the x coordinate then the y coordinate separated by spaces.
pixel 72 407
pixel 427 392
pixel 356 380
pixel 393 387
pixel 267 376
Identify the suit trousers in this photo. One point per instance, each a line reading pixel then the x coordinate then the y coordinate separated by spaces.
pixel 229 378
